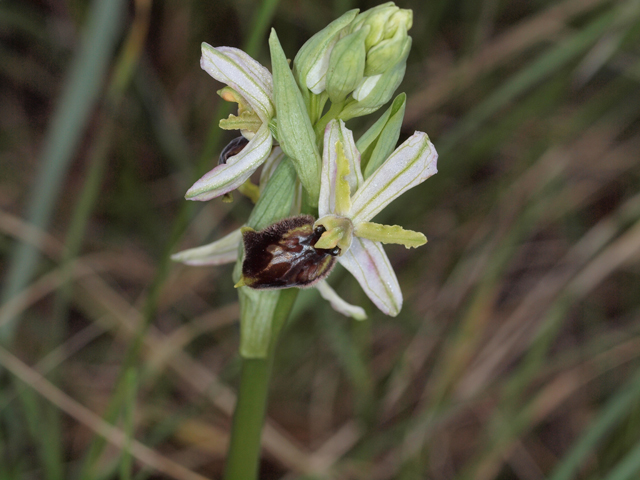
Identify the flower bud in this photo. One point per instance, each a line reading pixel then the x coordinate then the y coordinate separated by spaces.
pixel 376 90
pixel 312 61
pixel 387 37
pixel 346 65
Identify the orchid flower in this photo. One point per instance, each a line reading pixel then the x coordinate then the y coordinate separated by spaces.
pixel 225 250
pixel 251 86
pixel 348 202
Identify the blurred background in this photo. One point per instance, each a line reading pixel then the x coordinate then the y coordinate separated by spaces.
pixel 516 355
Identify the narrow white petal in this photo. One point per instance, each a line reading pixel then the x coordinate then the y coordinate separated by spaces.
pixel 409 165
pixel 219 252
pixel 242 73
pixel 353 155
pixel 367 261
pixel 338 304
pixel 327 200
pixel 270 164
pixel 236 171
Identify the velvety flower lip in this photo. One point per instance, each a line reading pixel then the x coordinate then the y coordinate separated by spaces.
pixel 348 203
pixel 253 84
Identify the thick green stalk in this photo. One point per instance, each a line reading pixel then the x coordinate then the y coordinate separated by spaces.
pixel 332 114
pixel 244 448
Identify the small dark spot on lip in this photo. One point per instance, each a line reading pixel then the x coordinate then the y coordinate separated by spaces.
pixel 234 147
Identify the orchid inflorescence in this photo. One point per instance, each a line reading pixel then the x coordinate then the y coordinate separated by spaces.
pixel 335 185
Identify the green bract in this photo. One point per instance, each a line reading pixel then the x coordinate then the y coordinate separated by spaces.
pixel 379 141
pixel 295 132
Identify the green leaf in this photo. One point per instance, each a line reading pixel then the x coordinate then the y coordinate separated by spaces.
pixel 256 312
pixel 295 132
pixel 275 201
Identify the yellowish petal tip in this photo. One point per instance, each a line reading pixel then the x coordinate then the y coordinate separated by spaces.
pixel 417 244
pixel 241 283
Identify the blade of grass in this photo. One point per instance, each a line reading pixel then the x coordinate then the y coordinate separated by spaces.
pixel 628 467
pixel 534 73
pixel 84 80
pixel 131 390
pixel 513 43
pixel 85 416
pixel 124 68
pixel 609 416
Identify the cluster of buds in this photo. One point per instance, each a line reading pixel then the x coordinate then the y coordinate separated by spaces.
pixel 319 188
pixel 357 61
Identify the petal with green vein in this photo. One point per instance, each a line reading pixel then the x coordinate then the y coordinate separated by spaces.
pixel 409 165
pixel 229 176
pixel 343 192
pixel 224 250
pixel 367 261
pixel 242 73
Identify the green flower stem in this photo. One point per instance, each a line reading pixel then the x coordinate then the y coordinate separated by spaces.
pixel 244 447
pixel 332 114
pixel 246 432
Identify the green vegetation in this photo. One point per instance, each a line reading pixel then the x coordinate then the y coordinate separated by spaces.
pixel 517 352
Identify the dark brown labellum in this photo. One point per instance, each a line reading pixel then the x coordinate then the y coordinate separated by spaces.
pixel 234 147
pixel 283 255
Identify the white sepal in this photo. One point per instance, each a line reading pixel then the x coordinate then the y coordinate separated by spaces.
pixel 369 264
pixel 246 76
pixel 229 176
pixel 409 165
pixel 335 132
pixel 219 252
